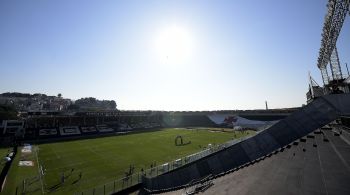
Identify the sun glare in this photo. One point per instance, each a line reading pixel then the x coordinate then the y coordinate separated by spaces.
pixel 174 45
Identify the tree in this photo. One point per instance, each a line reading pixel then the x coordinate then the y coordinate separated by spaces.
pixel 113 105
pixel 7 112
pixel 73 107
pixel 59 95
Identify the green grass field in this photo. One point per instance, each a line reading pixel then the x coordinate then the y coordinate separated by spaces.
pixel 17 174
pixel 3 154
pixel 102 160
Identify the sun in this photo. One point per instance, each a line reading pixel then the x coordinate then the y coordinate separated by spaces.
pixel 174 44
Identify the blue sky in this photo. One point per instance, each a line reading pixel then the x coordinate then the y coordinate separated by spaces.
pixel 234 54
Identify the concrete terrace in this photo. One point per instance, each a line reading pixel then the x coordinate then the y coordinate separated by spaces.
pixel 316 164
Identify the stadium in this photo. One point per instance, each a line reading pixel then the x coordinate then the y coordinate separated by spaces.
pixel 104 147
pixel 98 149
pixel 116 152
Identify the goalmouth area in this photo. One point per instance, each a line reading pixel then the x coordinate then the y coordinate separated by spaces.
pixel 74 166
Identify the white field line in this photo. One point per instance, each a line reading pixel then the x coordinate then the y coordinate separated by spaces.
pixel 37 162
pixel 54 151
pixel 65 166
pixel 99 156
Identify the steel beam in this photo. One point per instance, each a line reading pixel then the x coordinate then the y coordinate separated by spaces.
pixel 335 65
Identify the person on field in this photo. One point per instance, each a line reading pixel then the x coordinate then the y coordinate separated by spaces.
pixel 62 177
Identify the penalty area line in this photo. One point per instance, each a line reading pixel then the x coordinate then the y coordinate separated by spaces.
pixel 37 162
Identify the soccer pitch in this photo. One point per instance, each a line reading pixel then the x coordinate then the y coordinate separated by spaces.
pixel 92 162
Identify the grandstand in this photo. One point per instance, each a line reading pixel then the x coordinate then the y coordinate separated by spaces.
pixel 35 126
pixel 48 132
pixel 69 130
pixel 180 120
pixel 104 128
pixel 88 129
pixel 239 122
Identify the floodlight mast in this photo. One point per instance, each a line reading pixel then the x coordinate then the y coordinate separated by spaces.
pixel 335 65
pixel 334 20
pixel 325 77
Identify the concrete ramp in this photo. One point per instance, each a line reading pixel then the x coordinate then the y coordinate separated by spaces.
pixel 299 124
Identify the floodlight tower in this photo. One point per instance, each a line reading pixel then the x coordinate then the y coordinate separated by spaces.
pixel 335 66
pixel 334 20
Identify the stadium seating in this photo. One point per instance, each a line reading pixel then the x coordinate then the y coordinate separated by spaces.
pixel 176 120
pixel 104 129
pixel 48 132
pixel 124 127
pixel 69 130
pixel 88 129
